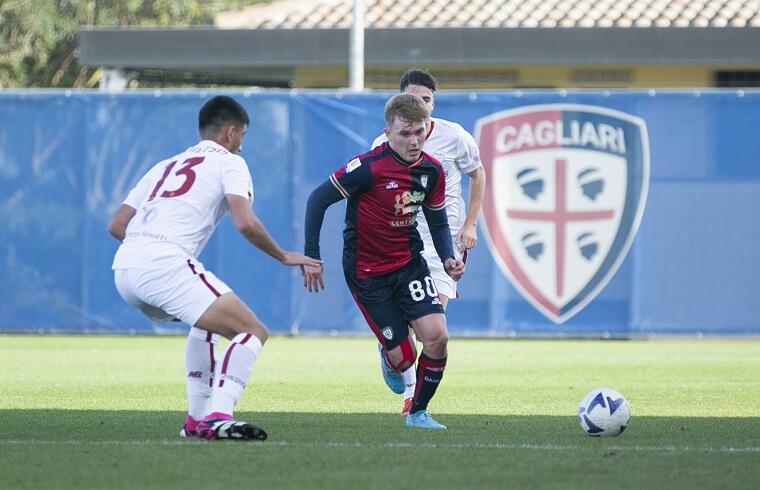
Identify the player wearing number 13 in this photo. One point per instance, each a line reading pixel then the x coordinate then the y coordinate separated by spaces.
pixel 388 278
pixel 163 224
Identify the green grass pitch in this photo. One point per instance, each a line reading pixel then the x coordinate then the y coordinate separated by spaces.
pixel 104 413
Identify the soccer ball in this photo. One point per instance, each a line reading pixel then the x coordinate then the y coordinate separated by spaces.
pixel 603 412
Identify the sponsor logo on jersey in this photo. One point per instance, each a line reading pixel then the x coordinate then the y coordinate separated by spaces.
pixel 401 223
pixel 567 185
pixel 353 165
pixel 146 234
pixel 392 185
pixel 406 202
pixel 407 207
pixel 387 333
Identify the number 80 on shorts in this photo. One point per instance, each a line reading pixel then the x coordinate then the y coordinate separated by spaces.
pixel 418 291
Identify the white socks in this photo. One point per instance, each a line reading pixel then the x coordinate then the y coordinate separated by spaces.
pixel 199 370
pixel 410 375
pixel 233 372
pixel 410 381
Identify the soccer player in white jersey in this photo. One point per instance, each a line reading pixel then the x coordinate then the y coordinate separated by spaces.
pixel 457 151
pixel 163 224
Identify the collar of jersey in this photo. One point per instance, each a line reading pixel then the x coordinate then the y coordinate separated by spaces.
pixel 400 160
pixel 430 131
pixel 212 143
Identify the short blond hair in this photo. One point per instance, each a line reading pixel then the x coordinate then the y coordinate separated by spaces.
pixel 407 107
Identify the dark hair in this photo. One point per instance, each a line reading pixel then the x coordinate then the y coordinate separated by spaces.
pixel 219 111
pixel 415 76
pixel 407 107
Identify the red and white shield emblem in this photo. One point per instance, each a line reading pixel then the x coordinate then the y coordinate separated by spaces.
pixel 566 190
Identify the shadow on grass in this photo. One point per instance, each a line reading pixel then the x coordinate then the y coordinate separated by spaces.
pixel 130 449
pixel 379 428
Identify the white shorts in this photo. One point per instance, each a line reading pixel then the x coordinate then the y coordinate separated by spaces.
pixel 183 291
pixel 443 282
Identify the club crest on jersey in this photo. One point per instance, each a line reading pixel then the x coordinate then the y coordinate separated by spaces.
pixel 424 181
pixel 566 190
pixel 387 333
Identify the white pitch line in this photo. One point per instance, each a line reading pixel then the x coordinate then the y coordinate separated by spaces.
pixel 395 445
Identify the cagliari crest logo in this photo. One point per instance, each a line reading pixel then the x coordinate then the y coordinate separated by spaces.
pixel 566 190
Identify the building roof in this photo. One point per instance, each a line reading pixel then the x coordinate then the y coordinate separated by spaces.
pixel 331 14
pixel 267 43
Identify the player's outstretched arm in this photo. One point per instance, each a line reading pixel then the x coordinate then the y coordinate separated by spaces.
pixel 319 200
pixel 254 231
pixel 117 227
pixel 467 237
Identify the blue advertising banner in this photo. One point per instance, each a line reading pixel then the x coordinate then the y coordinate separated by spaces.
pixel 607 213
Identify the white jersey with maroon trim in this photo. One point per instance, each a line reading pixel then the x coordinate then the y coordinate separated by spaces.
pixel 179 202
pixel 457 151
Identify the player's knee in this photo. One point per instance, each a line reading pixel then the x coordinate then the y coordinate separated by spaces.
pixel 256 327
pixel 435 343
pixel 261 331
pixel 440 337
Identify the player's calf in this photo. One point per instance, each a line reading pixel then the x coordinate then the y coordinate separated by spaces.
pixel 402 357
pixel 393 363
pixel 429 376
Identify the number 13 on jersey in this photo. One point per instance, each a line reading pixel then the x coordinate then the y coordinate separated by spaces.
pixel 185 170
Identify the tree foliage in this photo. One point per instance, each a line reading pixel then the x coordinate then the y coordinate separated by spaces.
pixel 39 38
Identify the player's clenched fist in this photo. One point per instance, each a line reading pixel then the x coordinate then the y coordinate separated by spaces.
pixel 454 268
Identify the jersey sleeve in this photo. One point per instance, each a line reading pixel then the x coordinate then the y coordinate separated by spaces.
pixel 320 199
pixel 236 178
pixel 379 141
pixel 139 191
pixel 436 198
pixel 352 178
pixel 468 156
pixel 438 225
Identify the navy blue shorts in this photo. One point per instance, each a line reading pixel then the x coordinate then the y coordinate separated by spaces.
pixel 389 302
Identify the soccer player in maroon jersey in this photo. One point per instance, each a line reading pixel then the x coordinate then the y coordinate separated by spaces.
pixel 458 152
pixel 388 277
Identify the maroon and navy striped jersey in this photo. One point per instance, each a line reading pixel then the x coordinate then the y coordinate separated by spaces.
pixel 384 195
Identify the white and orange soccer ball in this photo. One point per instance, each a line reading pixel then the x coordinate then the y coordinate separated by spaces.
pixel 603 412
